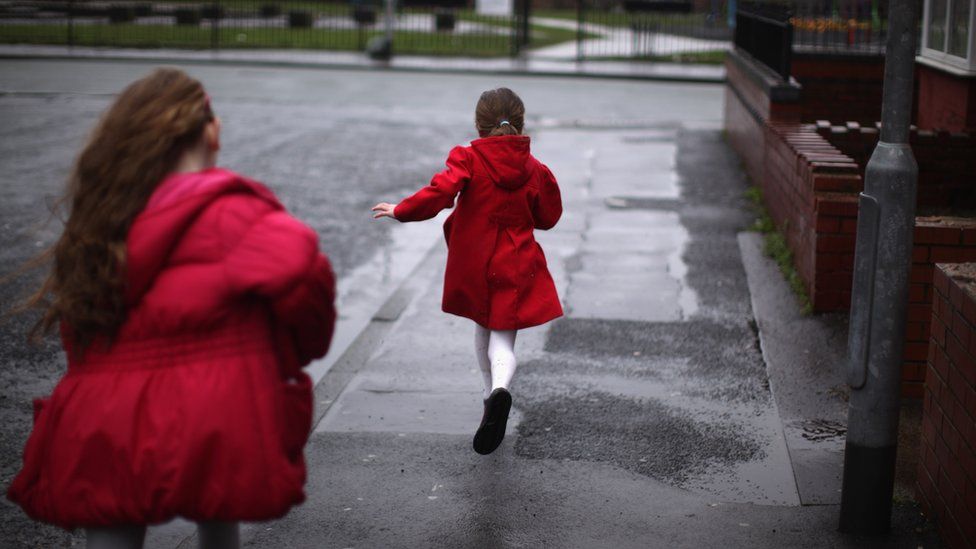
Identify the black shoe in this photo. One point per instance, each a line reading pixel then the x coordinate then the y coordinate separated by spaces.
pixel 492 430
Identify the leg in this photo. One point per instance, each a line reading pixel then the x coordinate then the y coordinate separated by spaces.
pixel 481 336
pixel 116 537
pixel 218 535
pixel 501 351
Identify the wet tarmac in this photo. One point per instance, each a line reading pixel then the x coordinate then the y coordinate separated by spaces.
pixel 643 418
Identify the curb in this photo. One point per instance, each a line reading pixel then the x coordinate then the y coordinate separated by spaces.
pixel 328 389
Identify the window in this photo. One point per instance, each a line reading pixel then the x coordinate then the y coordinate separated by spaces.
pixel 947 35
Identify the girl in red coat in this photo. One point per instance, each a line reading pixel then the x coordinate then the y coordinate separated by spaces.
pixel 188 301
pixel 496 272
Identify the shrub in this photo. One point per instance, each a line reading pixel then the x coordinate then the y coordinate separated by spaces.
pixel 270 10
pixel 212 11
pixel 121 14
pixel 142 10
pixel 300 19
pixel 187 16
pixel 444 21
pixel 364 15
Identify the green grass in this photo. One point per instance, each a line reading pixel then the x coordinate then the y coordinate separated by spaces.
pixel 709 57
pixel 624 19
pixel 775 247
pixel 168 36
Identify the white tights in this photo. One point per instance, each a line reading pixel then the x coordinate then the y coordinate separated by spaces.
pixel 210 535
pixel 496 357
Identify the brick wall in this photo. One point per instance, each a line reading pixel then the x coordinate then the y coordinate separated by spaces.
pixel 810 189
pixel 839 87
pixel 937 240
pixel 811 174
pixel 946 161
pixel 945 101
pixel 946 486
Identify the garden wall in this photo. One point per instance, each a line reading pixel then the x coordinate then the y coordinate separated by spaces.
pixel 946 487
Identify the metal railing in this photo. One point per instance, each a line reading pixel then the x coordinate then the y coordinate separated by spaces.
pixel 766 33
pixel 428 28
pixel 856 26
pixel 649 29
pixel 670 30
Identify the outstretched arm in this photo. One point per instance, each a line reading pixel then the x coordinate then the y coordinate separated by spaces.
pixel 438 195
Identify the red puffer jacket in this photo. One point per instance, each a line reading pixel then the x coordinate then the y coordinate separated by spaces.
pixel 199 408
pixel 496 272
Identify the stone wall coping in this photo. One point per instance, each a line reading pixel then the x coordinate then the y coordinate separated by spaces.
pixel 775 88
pixel 946 221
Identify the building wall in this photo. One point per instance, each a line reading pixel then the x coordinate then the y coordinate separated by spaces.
pixel 945 101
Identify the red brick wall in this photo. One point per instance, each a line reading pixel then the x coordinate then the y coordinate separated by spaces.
pixel 810 176
pixel 839 87
pixel 810 189
pixel 946 161
pixel 937 240
pixel 744 134
pixel 946 486
pixel 945 101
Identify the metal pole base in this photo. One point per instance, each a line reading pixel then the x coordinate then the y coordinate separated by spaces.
pixel 869 477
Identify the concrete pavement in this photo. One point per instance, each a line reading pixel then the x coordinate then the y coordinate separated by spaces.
pixel 640 422
pixel 652 415
pixel 647 422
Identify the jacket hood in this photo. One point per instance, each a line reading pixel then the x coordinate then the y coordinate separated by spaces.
pixel 506 158
pixel 173 207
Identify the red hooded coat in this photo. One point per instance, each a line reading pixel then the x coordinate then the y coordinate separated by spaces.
pixel 199 408
pixel 496 272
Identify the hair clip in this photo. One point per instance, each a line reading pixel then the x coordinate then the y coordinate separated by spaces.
pixel 503 123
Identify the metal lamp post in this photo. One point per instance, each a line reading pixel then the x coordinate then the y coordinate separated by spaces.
pixel 882 262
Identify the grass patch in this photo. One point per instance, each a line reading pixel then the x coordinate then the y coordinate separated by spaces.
pixel 710 57
pixel 624 19
pixel 410 41
pixel 776 248
pixel 171 36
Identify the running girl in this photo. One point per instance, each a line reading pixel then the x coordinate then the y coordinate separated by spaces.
pixel 496 272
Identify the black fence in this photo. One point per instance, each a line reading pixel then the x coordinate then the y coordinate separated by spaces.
pixel 419 28
pixel 856 26
pixel 766 33
pixel 669 30
pixel 651 29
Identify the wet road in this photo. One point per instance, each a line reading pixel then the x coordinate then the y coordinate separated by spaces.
pixel 330 143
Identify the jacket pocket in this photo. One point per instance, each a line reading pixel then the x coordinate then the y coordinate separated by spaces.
pixel 297 402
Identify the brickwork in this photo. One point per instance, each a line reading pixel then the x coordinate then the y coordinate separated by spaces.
pixel 839 87
pixel 946 486
pixel 811 174
pixel 946 161
pixel 945 101
pixel 810 189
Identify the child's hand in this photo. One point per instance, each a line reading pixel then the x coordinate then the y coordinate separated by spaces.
pixel 384 210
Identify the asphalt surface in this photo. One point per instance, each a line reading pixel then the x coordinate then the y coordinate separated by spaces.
pixel 645 417
pixel 330 143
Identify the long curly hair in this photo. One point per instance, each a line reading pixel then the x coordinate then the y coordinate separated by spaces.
pixel 137 142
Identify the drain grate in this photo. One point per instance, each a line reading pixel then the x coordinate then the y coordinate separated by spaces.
pixel 822 429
